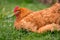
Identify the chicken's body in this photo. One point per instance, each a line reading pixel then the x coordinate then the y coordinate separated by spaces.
pixel 41 21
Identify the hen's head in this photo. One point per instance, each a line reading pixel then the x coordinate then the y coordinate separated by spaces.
pixel 22 12
pixel 16 10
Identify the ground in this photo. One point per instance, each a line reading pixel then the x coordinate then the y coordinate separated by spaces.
pixel 7 30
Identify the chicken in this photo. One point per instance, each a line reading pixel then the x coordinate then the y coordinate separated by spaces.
pixel 41 21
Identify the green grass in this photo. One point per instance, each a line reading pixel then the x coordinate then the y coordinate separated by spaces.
pixel 7 30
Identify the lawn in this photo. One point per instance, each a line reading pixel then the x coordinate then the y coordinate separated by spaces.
pixel 7 30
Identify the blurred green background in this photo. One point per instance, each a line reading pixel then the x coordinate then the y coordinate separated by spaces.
pixel 7 30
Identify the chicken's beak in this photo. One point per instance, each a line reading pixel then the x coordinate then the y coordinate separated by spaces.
pixel 13 15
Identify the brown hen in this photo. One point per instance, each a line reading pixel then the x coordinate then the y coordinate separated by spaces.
pixel 41 21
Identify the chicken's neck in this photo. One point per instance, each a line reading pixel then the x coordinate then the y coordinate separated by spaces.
pixel 18 18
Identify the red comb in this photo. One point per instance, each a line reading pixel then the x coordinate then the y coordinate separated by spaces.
pixel 16 8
